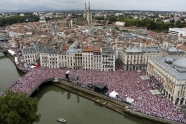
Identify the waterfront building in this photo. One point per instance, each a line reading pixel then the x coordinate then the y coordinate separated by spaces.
pixel 135 58
pixel 30 55
pixel 169 75
pixel 49 57
pixel 108 59
pixel 89 57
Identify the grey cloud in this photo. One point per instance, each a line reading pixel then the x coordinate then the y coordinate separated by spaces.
pixel 177 5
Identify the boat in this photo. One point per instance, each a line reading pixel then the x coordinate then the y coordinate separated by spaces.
pixel 61 120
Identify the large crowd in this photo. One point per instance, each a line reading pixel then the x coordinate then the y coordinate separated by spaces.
pixel 126 83
pixel 123 82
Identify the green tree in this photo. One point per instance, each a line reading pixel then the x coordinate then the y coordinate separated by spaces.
pixel 16 108
pixel 112 18
pixel 151 26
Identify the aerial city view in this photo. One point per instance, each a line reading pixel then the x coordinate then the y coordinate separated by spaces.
pixel 102 62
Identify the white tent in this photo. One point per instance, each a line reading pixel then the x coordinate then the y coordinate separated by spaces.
pixel 113 94
pixel 129 100
pixel 11 52
pixel 16 60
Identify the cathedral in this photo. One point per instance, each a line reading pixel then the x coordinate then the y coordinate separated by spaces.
pixel 86 20
pixel 87 14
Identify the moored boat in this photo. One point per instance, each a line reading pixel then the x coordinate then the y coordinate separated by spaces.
pixel 61 120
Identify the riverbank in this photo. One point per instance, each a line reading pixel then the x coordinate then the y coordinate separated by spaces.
pixel 106 101
pixel 110 103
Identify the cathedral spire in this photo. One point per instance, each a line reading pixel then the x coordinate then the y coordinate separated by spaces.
pixel 85 7
pixel 89 6
pixel 85 11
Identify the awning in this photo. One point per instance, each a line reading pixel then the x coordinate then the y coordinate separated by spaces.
pixel 129 100
pixel 113 94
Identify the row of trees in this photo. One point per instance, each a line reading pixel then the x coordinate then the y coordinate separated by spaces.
pixel 18 19
pixel 149 23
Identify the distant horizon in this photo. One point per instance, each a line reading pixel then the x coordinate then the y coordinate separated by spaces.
pixel 149 5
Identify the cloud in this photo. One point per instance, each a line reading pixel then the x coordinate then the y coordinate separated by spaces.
pixel 177 5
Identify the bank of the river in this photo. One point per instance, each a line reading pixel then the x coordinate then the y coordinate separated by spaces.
pixel 117 106
pixel 106 101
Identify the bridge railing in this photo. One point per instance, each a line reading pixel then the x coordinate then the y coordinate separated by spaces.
pixel 38 85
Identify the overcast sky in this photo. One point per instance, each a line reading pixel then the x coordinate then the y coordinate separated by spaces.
pixel 165 5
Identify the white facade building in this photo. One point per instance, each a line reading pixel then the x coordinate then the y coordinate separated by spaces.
pixel 77 58
pixel 177 31
pixel 136 58
pixel 168 74
pixel 49 57
pixel 30 56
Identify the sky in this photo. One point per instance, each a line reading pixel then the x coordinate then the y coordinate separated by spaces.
pixel 154 5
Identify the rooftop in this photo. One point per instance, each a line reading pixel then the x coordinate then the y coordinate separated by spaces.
pixel 175 67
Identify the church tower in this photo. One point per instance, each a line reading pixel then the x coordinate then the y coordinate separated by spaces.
pixel 85 11
pixel 87 14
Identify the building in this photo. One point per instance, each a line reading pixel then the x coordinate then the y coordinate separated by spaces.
pixel 168 74
pixel 89 57
pixel 108 59
pixel 30 56
pixel 88 14
pixel 49 57
pixel 135 58
pixel 86 20
pixel 177 31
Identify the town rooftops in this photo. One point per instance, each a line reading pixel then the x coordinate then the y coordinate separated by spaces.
pixel 133 50
pixel 29 50
pixel 49 50
pixel 107 50
pixel 151 49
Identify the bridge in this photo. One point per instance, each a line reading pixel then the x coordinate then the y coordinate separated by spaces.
pixel 35 77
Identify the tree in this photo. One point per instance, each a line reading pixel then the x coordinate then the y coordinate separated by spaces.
pixel 112 18
pixel 151 26
pixel 16 108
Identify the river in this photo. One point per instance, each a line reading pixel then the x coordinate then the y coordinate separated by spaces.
pixel 55 102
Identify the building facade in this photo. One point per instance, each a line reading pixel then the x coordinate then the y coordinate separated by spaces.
pixel 134 58
pixel 30 56
pixel 168 74
pixel 87 58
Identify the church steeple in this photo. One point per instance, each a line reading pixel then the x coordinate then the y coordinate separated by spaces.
pixel 85 11
pixel 88 6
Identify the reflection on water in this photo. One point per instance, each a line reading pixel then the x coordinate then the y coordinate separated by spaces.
pixel 68 95
pixel 56 102
pixel 1 54
pixel 98 104
pixel 8 73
